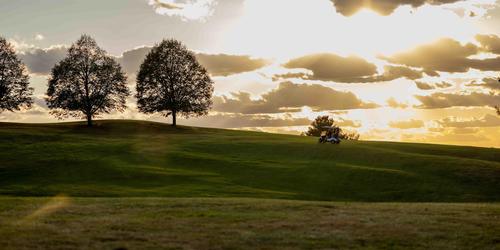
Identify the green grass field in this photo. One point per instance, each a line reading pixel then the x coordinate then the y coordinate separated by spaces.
pixel 208 188
pixel 158 223
pixel 142 159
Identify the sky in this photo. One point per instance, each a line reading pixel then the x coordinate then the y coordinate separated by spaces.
pixel 397 70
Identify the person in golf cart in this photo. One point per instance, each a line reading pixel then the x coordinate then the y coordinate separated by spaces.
pixel 330 134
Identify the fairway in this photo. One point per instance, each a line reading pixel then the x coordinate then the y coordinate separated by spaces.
pixel 145 159
pixel 145 185
pixel 158 223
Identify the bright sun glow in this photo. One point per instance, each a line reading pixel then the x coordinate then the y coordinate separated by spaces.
pixel 305 27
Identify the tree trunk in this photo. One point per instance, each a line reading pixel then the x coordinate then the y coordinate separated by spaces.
pixel 174 118
pixel 89 120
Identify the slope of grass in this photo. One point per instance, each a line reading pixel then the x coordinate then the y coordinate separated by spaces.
pixel 143 159
pixel 172 223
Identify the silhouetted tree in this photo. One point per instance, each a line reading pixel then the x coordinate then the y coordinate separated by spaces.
pixel 320 124
pixel 171 81
pixel 15 92
pixel 323 123
pixel 86 83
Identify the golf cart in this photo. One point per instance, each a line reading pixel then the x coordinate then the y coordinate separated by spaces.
pixel 330 134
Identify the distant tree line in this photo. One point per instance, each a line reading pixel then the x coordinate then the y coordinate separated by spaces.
pixel 88 82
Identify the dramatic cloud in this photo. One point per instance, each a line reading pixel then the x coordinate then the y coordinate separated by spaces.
pixel 384 7
pixel 445 55
pixel 395 72
pixel 185 9
pixel 290 97
pixel 331 67
pixel 393 103
pixel 429 86
pixel 407 124
pixel 424 86
pixel 485 121
pixel 41 61
pixel 443 85
pixel 224 65
pixel 489 83
pixel 131 60
pixel 489 43
pixel 217 64
pixel 347 123
pixel 445 100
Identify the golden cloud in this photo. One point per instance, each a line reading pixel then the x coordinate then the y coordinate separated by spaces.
pixel 352 69
pixel 290 97
pixel 446 100
pixel 384 7
pixel 216 64
pixel 410 124
pixel 445 55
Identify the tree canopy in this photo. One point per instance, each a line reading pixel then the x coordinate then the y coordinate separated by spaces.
pixel 15 92
pixel 86 83
pixel 323 123
pixel 171 81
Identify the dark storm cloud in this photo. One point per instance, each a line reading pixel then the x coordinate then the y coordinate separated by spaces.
pixel 331 67
pixel 384 7
pixel 445 100
pixel 216 64
pixel 290 97
pixel 41 61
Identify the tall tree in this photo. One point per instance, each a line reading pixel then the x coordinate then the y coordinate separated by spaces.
pixel 15 92
pixel 171 81
pixel 86 83
pixel 323 123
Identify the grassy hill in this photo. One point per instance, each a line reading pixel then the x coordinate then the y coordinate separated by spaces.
pixel 144 159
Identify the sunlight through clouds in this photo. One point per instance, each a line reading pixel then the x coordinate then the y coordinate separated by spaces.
pixel 419 60
pixel 305 27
